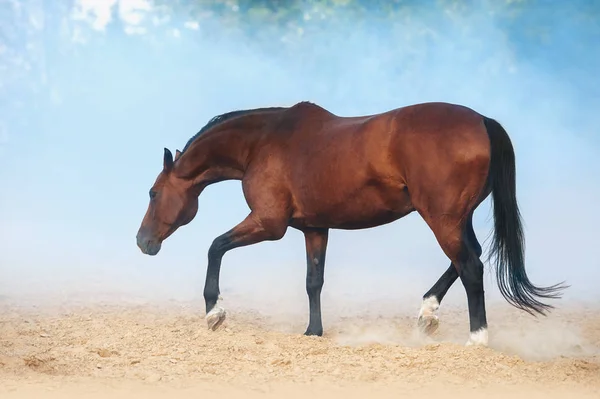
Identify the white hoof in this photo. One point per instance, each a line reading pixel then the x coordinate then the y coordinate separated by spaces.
pixel 428 322
pixel 215 318
pixel 478 338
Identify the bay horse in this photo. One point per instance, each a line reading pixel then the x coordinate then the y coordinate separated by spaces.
pixel 307 168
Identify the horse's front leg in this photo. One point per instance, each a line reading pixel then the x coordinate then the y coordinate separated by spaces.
pixel 316 246
pixel 251 230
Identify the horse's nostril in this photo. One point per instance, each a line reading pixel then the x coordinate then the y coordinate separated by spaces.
pixel 142 242
pixel 148 246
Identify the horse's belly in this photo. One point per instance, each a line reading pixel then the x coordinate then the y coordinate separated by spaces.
pixel 368 207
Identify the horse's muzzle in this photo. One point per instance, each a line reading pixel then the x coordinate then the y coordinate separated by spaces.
pixel 148 246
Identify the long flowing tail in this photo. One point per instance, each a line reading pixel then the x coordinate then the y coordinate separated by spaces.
pixel 507 246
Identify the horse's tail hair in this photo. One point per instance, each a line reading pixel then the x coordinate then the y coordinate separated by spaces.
pixel 507 245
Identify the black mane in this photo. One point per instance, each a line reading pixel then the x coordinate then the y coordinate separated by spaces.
pixel 224 117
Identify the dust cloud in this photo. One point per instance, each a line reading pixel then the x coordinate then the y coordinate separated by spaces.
pixel 75 180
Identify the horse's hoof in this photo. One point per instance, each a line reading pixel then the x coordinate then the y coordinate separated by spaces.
pixel 478 338
pixel 215 318
pixel 428 324
pixel 313 333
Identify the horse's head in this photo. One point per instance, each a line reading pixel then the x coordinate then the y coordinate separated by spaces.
pixel 173 203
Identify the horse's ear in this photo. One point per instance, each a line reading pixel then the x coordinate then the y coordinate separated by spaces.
pixel 177 154
pixel 168 161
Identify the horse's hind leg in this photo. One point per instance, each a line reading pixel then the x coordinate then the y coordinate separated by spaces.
pixel 428 321
pixel 464 251
pixel 471 275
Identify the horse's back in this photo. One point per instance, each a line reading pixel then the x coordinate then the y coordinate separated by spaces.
pixel 400 138
pixel 426 138
pixel 309 121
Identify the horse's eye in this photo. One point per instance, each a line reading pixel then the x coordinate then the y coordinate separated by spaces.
pixel 152 194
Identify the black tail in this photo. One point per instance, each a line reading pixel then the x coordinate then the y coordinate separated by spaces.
pixel 507 246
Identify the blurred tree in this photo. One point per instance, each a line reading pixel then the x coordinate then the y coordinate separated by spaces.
pixel 34 32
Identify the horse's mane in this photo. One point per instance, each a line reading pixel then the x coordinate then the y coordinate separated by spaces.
pixel 225 117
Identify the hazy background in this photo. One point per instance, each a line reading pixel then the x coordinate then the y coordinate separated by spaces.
pixel 91 92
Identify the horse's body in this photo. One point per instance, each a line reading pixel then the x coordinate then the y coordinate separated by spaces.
pixel 362 166
pixel 307 168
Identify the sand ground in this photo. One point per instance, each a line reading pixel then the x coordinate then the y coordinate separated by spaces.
pixel 126 350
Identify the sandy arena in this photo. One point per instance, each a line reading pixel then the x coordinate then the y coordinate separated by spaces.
pixel 109 350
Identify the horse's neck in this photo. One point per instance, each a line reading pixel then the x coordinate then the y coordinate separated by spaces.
pixel 221 155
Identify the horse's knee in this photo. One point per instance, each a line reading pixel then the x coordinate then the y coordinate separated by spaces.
pixel 217 248
pixel 278 232
pixel 274 227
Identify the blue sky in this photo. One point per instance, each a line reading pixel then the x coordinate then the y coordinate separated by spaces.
pixel 75 178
